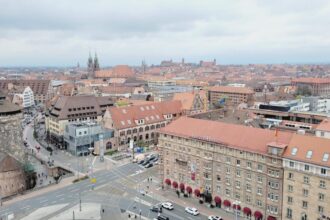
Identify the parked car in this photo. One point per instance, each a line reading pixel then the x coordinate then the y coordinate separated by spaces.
pixel 167 205
pixel 145 163
pixel 192 211
pixel 148 165
pixel 142 192
pixel 214 217
pixel 141 162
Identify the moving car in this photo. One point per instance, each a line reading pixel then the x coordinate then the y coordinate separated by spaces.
pixel 167 205
pixel 192 211
pixel 214 217
pixel 145 163
pixel 156 208
pixel 162 217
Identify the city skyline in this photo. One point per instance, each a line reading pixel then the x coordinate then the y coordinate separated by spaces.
pixel 42 33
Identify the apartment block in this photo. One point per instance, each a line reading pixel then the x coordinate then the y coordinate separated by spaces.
pixel 238 167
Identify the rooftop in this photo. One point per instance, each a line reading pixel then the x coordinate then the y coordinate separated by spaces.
pixel 311 80
pixel 232 89
pixel 309 149
pixel 250 139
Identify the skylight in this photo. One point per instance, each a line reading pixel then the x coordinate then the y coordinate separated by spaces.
pixel 147 118
pixel 124 111
pixel 153 107
pixel 129 122
pixel 309 154
pixel 325 157
pixel 147 107
pixel 142 109
pixel 122 122
pixel 152 117
pixel 294 151
pixel 157 116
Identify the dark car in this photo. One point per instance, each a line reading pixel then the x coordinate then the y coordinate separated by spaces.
pixel 156 208
pixel 145 163
pixel 162 217
pixel 141 162
pixel 148 165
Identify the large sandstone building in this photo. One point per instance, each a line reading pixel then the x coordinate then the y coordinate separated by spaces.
pixel 247 170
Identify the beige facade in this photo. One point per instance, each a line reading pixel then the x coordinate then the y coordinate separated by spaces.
pixel 251 178
pixel 232 95
pixel 306 193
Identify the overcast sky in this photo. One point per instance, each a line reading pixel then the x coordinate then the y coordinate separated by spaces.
pixel 62 32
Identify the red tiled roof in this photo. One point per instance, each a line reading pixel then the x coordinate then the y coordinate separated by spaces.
pixel 311 80
pixel 324 125
pixel 319 146
pixel 232 89
pixel 120 71
pixel 124 117
pixel 239 136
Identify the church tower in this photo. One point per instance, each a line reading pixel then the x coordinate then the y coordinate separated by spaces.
pixel 90 64
pixel 96 63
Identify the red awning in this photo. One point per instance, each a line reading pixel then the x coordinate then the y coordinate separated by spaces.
pixel 168 181
pixel 175 184
pixel 237 207
pixel 217 199
pixel 197 192
pixel 226 203
pixel 257 214
pixel 182 186
pixel 271 218
pixel 188 189
pixel 247 211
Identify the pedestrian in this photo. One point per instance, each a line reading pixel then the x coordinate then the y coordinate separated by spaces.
pixel 129 215
pixel 103 210
pixel 150 179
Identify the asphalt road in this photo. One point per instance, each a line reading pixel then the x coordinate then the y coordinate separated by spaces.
pixel 125 179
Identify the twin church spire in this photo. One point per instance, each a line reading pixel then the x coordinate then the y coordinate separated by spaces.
pixel 93 65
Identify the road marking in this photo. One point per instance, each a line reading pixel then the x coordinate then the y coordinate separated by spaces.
pixel 74 190
pixel 139 200
pixel 60 195
pixel 25 207
pixel 44 200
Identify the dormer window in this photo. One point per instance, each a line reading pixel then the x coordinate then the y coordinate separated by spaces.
pixel 294 151
pixel 325 157
pixel 309 154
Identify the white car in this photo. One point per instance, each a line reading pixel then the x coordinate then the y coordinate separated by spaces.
pixel 167 205
pixel 214 217
pixel 192 211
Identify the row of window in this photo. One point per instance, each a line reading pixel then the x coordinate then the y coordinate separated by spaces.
pixel 305 192
pixel 135 130
pixel 81 108
pixel 323 171
pixel 289 212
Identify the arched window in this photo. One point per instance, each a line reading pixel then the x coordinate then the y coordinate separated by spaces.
pixel 146 128
pixel 158 126
pixel 152 127
pixel 108 146
pixel 304 216
pixel 134 130
pixel 140 129
pixel 147 136
pixel 141 137
pixel 135 138
pixel 129 131
pixel 163 124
